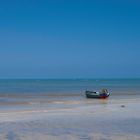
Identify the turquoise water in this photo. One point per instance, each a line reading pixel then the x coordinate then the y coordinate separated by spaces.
pixel 68 86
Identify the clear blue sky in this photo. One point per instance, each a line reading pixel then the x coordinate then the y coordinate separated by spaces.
pixel 69 39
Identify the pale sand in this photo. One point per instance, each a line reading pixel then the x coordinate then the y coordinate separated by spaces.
pixel 92 120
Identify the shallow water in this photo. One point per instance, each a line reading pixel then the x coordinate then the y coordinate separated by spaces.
pixel 61 93
pixel 67 86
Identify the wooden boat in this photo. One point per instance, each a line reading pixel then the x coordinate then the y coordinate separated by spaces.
pixel 98 95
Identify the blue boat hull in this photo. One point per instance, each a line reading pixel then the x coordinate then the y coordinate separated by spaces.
pixel 91 94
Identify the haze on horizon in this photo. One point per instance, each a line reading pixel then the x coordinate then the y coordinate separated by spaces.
pixel 69 39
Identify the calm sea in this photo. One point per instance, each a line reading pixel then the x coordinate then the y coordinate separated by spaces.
pixel 68 86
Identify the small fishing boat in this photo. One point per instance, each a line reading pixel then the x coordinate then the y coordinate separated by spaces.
pixel 100 95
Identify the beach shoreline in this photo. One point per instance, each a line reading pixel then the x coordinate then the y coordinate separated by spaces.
pixel 102 119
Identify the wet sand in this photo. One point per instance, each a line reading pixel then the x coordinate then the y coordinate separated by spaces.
pixel 72 120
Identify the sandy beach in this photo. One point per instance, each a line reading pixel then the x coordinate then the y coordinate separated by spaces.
pixel 72 120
